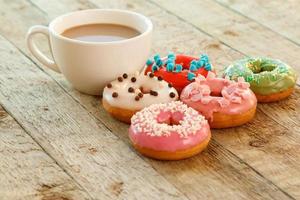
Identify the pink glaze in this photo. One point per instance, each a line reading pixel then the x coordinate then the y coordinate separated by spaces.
pixel 168 127
pixel 170 143
pixel 211 94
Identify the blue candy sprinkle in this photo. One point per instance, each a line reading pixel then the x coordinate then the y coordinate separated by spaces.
pixel 171 58
pixel 171 55
pixel 204 57
pixel 178 68
pixel 156 57
pixel 193 62
pixel 154 68
pixel 149 62
pixel 170 61
pixel 191 76
pixel 170 67
pixel 193 67
pixel 207 67
pixel 200 63
pixel 159 63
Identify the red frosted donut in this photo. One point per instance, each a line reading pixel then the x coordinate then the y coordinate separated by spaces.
pixel 179 70
pixel 169 131
pixel 223 102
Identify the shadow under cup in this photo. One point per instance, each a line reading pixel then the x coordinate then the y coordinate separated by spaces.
pixel 89 66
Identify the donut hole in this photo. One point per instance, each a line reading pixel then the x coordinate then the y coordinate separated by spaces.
pixel 169 118
pixel 216 94
pixel 258 66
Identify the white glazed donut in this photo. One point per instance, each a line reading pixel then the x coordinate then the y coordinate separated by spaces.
pixel 128 94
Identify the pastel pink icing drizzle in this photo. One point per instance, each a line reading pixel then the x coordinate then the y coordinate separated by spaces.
pixel 212 94
pixel 150 128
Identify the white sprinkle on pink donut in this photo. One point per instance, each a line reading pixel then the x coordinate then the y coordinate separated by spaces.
pixel 153 120
pixel 213 94
pixel 168 127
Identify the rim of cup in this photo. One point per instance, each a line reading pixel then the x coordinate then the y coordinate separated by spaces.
pixel 147 21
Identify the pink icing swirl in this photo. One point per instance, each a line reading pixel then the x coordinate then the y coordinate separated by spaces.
pixel 212 94
pixel 168 127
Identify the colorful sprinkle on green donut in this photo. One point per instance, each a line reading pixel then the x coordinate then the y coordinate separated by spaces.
pixel 265 75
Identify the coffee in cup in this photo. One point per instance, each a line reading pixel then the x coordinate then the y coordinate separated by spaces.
pixel 100 32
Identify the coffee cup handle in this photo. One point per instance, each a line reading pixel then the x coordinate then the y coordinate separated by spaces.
pixel 38 29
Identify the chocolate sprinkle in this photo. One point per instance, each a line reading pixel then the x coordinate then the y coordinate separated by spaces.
pixel 131 90
pixel 133 79
pixel 172 94
pixel 154 93
pixel 114 94
pixel 140 95
pixel 151 75
pixel 125 75
pixel 159 78
pixel 170 85
pixel 109 85
pixel 120 79
pixel 137 98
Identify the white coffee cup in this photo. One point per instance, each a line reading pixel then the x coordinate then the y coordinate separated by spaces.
pixel 89 66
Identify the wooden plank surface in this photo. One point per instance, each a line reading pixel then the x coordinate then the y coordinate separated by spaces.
pixel 232 171
pixel 215 20
pixel 280 16
pixel 235 30
pixel 26 171
pixel 236 164
pixel 89 152
pixel 152 10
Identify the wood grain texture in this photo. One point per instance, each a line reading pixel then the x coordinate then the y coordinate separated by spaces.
pixel 235 30
pixel 89 152
pixel 219 172
pixel 280 16
pixel 215 48
pixel 214 19
pixel 26 171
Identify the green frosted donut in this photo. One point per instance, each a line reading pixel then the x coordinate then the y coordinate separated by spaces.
pixel 266 76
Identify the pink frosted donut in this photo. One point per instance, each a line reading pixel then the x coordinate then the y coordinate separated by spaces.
pixel 223 102
pixel 169 131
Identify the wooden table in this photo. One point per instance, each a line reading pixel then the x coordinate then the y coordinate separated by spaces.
pixel 56 143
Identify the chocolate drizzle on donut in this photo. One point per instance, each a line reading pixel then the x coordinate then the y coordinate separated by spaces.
pixel 130 90
pixel 120 79
pixel 125 75
pixel 154 93
pixel 133 79
pixel 137 98
pixel 140 95
pixel 172 94
pixel 151 75
pixel 115 95
pixel 109 85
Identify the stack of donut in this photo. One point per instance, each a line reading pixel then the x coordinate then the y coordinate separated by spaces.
pixel 174 102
